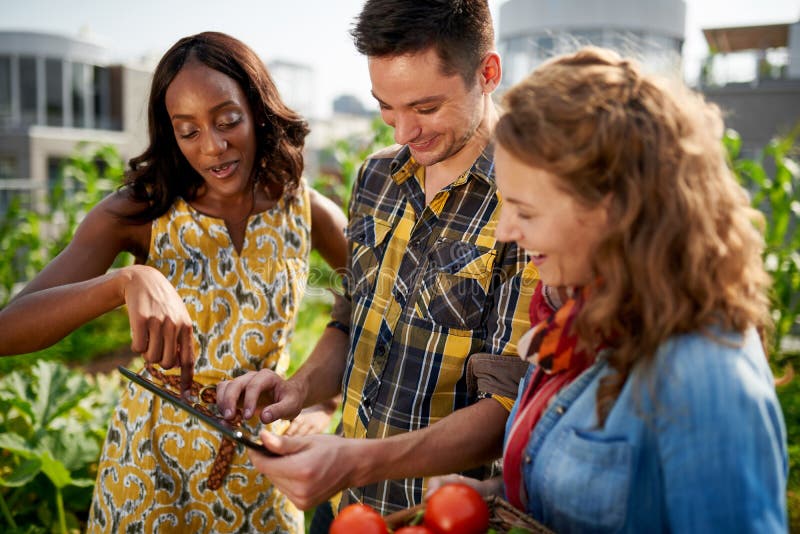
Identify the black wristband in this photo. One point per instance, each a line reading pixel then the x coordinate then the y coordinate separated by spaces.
pixel 339 326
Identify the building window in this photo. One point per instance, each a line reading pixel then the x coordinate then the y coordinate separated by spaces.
pixel 115 95
pixel 5 88
pixel 54 78
pixel 8 167
pixel 27 93
pixel 587 37
pixel 661 55
pixel 102 98
pixel 79 94
pixel 524 53
pixel 55 173
pixel 8 189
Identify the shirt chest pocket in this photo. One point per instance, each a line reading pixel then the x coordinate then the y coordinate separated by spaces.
pixel 456 283
pixel 368 238
pixel 586 481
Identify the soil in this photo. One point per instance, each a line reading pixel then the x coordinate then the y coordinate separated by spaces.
pixel 108 362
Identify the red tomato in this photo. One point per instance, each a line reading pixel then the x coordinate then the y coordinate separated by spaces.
pixel 358 518
pixel 456 508
pixel 415 529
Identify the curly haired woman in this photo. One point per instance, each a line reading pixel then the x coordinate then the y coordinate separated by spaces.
pixel 649 405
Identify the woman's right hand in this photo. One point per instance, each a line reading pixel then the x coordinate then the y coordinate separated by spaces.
pixel 161 328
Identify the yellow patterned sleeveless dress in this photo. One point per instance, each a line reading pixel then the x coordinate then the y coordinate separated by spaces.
pixel 156 461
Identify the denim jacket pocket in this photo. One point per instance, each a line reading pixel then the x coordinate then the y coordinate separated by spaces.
pixel 367 235
pixel 456 283
pixel 587 479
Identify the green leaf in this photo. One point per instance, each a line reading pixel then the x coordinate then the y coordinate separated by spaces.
pixel 59 390
pixel 23 474
pixel 15 389
pixel 732 142
pixel 55 470
pixel 18 445
pixel 82 482
pixel 74 445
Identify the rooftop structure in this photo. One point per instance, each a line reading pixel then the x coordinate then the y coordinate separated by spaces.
pixel 753 74
pixel 531 31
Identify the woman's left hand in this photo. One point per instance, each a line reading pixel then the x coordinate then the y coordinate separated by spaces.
pixel 313 420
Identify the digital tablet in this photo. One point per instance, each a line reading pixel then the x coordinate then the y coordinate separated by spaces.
pixel 237 433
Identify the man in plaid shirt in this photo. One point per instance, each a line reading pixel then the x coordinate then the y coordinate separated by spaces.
pixel 423 345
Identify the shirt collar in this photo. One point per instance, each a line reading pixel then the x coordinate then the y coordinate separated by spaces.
pixel 403 167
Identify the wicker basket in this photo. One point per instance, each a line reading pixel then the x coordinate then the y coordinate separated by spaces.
pixel 502 517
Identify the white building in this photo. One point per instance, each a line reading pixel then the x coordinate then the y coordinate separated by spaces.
pixel 531 31
pixel 56 91
pixel 295 83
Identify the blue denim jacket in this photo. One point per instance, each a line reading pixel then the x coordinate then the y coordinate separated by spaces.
pixel 700 449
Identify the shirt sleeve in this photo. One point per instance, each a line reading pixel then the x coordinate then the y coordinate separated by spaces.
pixel 497 373
pixel 342 308
pixel 513 282
pixel 495 376
pixel 721 440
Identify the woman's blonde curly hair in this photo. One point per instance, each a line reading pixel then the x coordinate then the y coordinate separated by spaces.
pixel 683 249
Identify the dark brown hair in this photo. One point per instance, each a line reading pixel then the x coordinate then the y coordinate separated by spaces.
pixel 460 31
pixel 682 252
pixel 161 172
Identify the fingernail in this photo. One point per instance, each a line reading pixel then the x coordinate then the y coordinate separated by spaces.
pixel 248 413
pixel 266 415
pixel 228 413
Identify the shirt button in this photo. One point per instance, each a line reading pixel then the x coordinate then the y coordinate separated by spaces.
pixel 560 410
pixel 527 459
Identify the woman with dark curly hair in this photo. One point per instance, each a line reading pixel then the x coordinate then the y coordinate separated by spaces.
pixel 649 405
pixel 220 222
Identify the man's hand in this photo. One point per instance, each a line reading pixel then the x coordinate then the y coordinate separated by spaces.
pixel 311 468
pixel 284 399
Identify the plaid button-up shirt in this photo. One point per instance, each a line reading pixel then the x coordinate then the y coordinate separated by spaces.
pixel 429 285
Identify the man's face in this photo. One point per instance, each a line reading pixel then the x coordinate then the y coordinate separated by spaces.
pixel 434 114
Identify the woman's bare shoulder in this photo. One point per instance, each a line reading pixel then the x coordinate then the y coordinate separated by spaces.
pixel 116 215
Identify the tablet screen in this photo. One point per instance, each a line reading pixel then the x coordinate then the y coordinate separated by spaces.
pixel 204 412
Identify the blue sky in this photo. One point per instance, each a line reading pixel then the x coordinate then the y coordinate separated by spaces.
pixel 313 32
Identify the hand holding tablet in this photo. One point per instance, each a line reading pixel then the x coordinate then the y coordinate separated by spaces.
pixel 203 411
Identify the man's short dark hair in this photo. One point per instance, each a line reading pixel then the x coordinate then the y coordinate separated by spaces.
pixel 460 31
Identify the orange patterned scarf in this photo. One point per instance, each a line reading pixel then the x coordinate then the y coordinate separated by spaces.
pixel 551 345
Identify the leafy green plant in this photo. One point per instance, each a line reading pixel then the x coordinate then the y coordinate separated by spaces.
pixel 87 176
pixel 773 179
pixel 52 425
pixel 350 153
pixel 789 396
pixel 106 334
pixel 30 239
